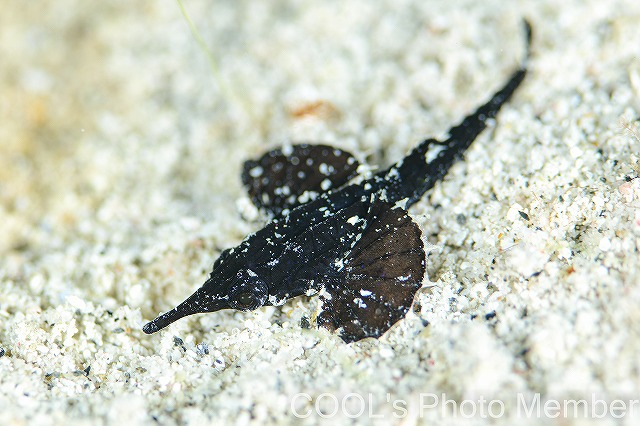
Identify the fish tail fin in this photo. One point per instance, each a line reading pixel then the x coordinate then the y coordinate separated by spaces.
pixel 430 161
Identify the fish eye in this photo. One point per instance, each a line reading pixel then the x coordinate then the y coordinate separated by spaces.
pixel 245 300
pixel 248 292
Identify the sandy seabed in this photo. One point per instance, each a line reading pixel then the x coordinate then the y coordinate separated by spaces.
pixel 120 156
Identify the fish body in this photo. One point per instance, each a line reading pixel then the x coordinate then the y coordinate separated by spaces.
pixel 353 243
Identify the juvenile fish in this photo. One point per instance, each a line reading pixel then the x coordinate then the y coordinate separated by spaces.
pixel 353 244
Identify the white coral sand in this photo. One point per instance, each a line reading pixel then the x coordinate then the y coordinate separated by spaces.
pixel 120 158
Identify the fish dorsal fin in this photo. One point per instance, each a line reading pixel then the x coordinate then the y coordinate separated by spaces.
pixel 287 177
pixel 373 286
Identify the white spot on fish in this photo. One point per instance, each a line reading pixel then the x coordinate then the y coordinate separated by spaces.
pixel 256 171
pixel 282 190
pixel 392 174
pixel 432 152
pixel 326 169
pixel 353 220
pixel 324 293
pixel 273 300
pixel 359 302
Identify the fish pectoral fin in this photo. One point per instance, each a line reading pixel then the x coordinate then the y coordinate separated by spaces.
pixel 378 278
pixel 287 177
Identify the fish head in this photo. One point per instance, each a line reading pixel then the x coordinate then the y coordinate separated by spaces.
pixel 232 284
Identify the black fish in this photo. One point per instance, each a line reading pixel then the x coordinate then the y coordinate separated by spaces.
pixel 354 244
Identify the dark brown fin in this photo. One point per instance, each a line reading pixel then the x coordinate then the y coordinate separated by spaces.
pixel 278 179
pixel 379 276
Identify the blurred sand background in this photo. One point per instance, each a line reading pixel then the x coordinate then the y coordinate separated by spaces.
pixel 120 159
